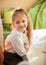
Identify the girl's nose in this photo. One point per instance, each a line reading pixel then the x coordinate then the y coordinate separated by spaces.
pixel 21 24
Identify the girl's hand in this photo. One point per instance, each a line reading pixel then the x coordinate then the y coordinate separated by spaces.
pixel 26 46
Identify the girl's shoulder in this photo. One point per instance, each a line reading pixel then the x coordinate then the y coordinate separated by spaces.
pixel 8 38
pixel 13 36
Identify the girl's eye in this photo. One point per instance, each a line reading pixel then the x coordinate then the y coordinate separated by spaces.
pixel 17 22
pixel 23 21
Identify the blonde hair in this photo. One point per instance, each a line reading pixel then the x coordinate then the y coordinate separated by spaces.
pixel 29 27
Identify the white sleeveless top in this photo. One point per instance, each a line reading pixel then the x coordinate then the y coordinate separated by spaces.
pixel 16 42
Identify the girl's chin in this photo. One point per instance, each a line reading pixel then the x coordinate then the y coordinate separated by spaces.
pixel 22 30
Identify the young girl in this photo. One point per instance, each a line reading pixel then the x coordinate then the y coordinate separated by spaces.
pixel 18 42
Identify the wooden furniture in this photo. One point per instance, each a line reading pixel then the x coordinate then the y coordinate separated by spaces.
pixel 1 56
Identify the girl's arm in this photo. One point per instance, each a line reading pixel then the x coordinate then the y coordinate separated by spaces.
pixel 16 44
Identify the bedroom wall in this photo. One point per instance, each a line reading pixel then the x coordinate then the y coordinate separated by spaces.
pixel 25 4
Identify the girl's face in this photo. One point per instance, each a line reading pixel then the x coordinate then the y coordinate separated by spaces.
pixel 20 22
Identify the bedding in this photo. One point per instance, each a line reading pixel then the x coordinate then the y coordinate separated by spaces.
pixel 38 15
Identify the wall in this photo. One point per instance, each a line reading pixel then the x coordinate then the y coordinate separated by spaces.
pixel 25 4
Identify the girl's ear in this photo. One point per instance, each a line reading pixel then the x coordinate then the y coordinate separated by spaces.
pixel 13 24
